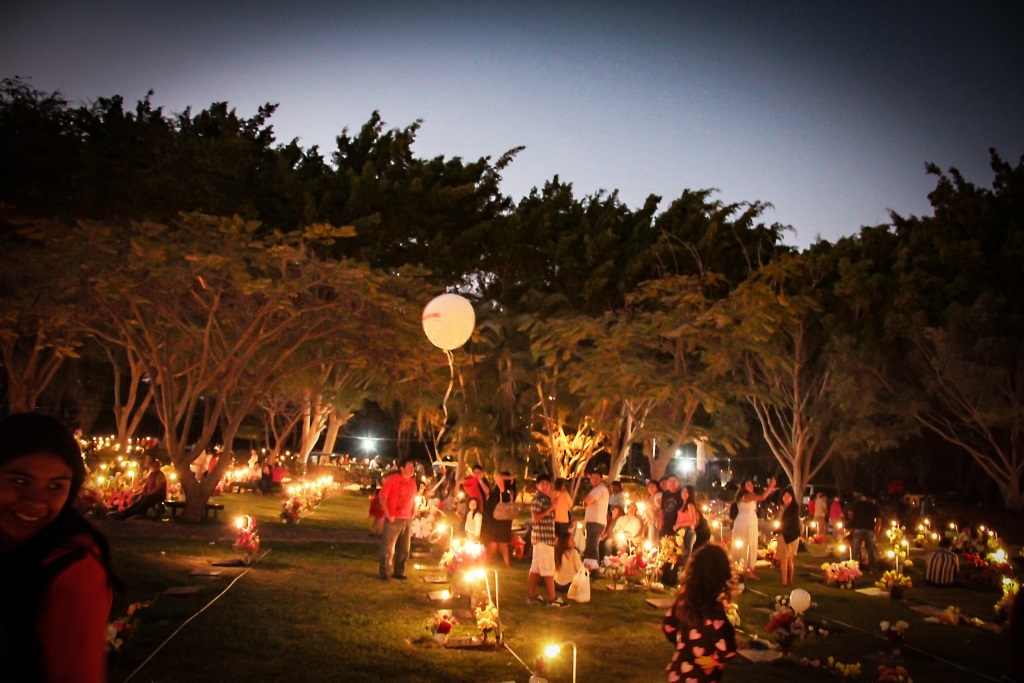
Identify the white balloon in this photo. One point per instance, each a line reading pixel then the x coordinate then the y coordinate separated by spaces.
pixel 800 600
pixel 448 321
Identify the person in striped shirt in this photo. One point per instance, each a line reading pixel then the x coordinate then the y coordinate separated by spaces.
pixel 942 566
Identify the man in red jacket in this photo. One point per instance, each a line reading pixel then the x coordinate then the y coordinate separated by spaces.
pixel 398 498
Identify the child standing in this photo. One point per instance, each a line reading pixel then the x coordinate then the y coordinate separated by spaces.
pixel 376 515
pixel 474 521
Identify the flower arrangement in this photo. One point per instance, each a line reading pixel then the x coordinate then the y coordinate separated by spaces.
pixel 894 583
pixel 442 622
pixel 117 501
pixel 900 546
pixel 950 616
pixel 422 526
pixel 895 674
pixel 614 568
pixel 845 671
pixel 843 574
pixel 977 572
pixel 461 556
pixel 998 561
pixel 90 502
pixel 732 613
pixel 248 540
pixel 670 551
pixel 817 539
pixel 785 625
pixel 291 510
pixel 517 546
pixel 636 565
pixel 1010 589
pixel 303 497
pixel 768 552
pixel 486 617
pixel 121 629
pixel 894 634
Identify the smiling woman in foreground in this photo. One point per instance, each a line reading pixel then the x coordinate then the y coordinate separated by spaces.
pixel 54 567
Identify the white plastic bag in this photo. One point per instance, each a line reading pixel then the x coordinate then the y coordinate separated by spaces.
pixel 579 589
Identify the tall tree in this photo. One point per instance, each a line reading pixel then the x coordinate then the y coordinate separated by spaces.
pixel 957 305
pixel 217 315
pixel 41 318
pixel 791 368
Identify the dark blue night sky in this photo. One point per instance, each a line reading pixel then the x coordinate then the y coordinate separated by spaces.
pixel 829 111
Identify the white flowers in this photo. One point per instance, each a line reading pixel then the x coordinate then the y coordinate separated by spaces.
pixel 898 627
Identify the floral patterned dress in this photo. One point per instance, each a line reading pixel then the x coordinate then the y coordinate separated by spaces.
pixel 700 652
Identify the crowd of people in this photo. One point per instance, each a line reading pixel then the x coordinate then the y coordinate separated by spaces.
pixel 54 626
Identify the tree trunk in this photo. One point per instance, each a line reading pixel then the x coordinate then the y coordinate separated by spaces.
pixel 1013 497
pixel 333 427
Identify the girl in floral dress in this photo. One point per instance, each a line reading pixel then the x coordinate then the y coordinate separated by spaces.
pixel 697 624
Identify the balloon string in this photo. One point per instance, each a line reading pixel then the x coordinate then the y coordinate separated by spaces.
pixel 444 404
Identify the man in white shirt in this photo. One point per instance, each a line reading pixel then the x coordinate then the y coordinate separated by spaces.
pixel 595 514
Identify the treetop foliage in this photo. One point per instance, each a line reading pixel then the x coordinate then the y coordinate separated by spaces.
pixel 601 325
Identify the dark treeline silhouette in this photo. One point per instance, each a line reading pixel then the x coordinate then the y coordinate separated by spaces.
pixel 688 320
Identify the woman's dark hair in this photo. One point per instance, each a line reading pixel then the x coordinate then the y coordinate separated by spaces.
pixel 704 581
pixel 742 489
pixel 789 490
pixel 561 545
pixel 559 483
pixel 27 433
pixel 27 568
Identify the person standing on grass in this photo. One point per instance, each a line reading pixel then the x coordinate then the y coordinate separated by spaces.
pixel 835 518
pixel 475 486
pixel 542 566
pixel 652 511
pixel 820 514
pixel 474 521
pixel 788 541
pixel 595 514
pixel 865 523
pixel 376 515
pixel 745 532
pixel 671 502
pixel 398 498
pixel 563 507
pixel 686 521
pixel 696 624
pixel 54 567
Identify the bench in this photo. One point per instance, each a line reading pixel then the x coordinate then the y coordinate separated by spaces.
pixel 176 506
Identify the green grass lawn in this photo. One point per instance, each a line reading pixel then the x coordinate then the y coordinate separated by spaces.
pixel 315 611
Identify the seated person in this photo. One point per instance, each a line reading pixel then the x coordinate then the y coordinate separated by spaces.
pixel 567 562
pixel 942 565
pixel 625 531
pixel 154 491
pixel 266 479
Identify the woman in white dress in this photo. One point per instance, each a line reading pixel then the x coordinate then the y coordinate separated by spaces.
pixel 744 527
